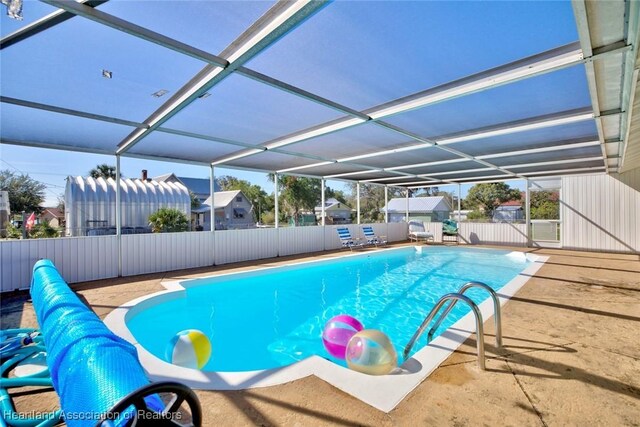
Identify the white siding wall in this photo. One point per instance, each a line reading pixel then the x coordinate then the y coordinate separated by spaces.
pixel 493 233
pixel 82 259
pixel 601 212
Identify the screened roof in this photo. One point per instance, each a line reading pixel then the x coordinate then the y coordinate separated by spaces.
pixel 394 93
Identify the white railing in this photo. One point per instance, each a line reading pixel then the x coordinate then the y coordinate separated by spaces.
pixel 82 259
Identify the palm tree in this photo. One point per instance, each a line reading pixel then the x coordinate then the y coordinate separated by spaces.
pixel 104 170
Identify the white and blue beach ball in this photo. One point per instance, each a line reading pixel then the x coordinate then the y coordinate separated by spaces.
pixel 189 348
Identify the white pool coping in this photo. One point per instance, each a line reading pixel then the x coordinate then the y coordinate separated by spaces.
pixel 382 392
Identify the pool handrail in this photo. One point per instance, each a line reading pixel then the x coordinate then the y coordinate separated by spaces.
pixel 496 311
pixel 479 325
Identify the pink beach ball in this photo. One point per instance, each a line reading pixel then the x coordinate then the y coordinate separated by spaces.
pixel 337 332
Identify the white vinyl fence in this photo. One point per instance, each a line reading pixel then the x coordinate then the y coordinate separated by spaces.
pixel 473 233
pixel 82 259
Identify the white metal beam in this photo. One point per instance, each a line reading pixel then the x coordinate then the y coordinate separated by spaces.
pixel 119 214
pixel 582 23
pixel 322 202
pixel 540 150
pixel 541 122
pixel 560 171
pixel 555 59
pixel 553 162
pixel 44 23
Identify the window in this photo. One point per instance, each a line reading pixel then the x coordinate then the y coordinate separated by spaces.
pixel 238 198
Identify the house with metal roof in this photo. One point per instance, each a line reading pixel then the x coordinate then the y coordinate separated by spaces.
pixel 233 211
pixel 428 209
pixel 335 212
pixel 201 187
pixel 510 211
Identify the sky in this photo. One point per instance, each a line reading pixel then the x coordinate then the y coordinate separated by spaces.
pixel 47 68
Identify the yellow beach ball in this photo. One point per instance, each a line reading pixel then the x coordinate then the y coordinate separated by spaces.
pixel 189 348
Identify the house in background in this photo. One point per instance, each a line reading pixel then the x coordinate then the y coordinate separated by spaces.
pixel 426 209
pixel 510 211
pixel 232 211
pixel 201 187
pixel 54 215
pixel 336 212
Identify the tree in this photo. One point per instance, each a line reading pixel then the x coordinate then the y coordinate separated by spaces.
pixel 297 194
pixel 490 195
pixel 168 220
pixel 372 200
pixel 545 205
pixel 339 195
pixel 195 202
pixel 103 171
pixel 25 193
pixel 261 201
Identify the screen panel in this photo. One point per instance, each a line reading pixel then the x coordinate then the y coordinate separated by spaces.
pixel 362 54
pixel 68 66
pixel 537 138
pixel 516 101
pixel 575 153
pixel 19 123
pixel 182 147
pixel 357 140
pixel 244 110
pixel 207 25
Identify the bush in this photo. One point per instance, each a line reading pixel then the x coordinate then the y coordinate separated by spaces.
pixel 12 231
pixel 476 215
pixel 167 220
pixel 43 231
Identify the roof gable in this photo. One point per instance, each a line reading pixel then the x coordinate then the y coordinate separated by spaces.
pixel 419 204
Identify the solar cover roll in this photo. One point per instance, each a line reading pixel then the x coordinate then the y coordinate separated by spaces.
pixel 91 368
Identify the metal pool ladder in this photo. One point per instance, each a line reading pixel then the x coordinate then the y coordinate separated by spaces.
pixel 454 298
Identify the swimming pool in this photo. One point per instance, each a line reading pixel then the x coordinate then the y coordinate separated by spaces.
pixel 266 324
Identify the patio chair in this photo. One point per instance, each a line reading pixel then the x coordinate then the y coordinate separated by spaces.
pixel 371 237
pixel 417 232
pixel 347 241
pixel 450 231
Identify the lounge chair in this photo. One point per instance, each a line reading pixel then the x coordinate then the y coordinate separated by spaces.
pixel 346 239
pixel 417 232
pixel 371 237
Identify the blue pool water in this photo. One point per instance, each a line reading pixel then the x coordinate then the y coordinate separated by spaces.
pixel 275 317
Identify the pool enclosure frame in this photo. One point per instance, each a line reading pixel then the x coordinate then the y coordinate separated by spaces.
pixel 601 46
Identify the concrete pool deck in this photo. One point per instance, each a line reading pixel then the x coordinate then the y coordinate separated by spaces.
pixel 571 356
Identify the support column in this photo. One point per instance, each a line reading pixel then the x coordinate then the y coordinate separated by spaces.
pixel 358 202
pixel 406 217
pixel 528 211
pixel 459 202
pixel 212 181
pixel 386 204
pixel 322 211
pixel 119 214
pixel 277 211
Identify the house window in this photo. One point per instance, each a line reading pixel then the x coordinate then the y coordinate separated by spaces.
pixel 238 198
